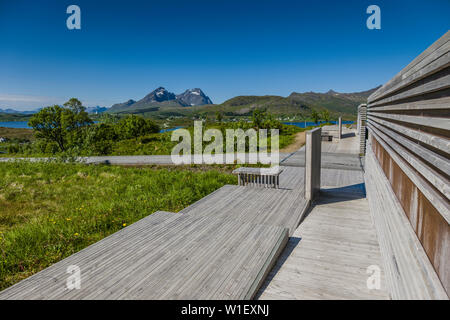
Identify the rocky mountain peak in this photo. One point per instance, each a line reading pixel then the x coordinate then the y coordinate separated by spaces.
pixel 193 97
pixel 158 95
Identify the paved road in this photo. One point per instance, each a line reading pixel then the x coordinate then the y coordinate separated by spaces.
pixel 125 160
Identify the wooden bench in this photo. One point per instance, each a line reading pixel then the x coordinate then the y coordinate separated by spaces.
pixel 259 177
pixel 327 136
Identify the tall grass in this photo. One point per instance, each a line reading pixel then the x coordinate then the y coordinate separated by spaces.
pixel 49 211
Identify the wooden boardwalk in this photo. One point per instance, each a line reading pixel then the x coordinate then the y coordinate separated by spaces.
pixel 342 154
pixel 270 207
pixel 330 160
pixel 165 256
pixel 328 255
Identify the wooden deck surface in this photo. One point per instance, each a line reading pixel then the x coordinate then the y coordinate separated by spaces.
pixel 165 256
pixel 330 160
pixel 293 178
pixel 328 255
pixel 272 207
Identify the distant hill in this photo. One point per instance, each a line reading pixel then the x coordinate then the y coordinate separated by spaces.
pixel 335 102
pixel 162 98
pixel 120 106
pixel 14 116
pixel 12 111
pixel 344 103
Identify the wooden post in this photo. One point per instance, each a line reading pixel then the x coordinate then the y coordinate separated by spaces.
pixel 313 162
pixel 358 123
pixel 362 116
pixel 340 128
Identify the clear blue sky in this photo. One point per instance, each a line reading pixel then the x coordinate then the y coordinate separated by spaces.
pixel 125 49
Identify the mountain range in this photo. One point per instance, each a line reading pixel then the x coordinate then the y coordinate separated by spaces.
pixel 162 104
pixel 160 97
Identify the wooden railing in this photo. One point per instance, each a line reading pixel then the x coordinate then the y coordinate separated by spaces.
pixel 408 120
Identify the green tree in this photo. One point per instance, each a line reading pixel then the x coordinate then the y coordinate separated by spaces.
pixel 326 115
pixel 78 121
pixel 49 125
pixel 315 116
pixel 99 139
pixel 134 126
pixel 258 117
pixel 75 105
pixel 61 125
pixel 219 116
pixel 108 118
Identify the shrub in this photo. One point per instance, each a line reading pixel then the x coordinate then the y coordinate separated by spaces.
pixel 134 126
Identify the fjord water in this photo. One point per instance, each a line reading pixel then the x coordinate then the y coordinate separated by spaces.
pixel 15 124
pixel 310 124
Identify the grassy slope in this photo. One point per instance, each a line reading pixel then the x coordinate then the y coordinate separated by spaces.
pixel 14 117
pixel 50 211
pixel 15 133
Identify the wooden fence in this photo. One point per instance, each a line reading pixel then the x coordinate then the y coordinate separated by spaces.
pixel 408 120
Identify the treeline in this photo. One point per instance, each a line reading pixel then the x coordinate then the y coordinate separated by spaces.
pixel 69 129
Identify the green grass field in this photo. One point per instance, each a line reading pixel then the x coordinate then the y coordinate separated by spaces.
pixel 49 211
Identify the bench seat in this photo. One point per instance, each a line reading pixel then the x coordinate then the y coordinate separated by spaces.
pixel 259 177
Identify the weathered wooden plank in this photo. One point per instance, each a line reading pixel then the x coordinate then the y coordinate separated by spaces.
pixel 431 104
pixel 438 81
pixel 434 122
pixel 438 142
pixel 436 61
pixel 429 51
